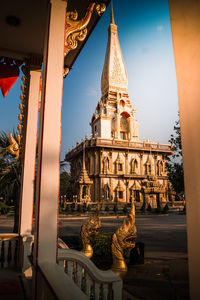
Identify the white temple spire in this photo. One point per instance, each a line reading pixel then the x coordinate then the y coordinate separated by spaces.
pixel 114 77
pixel 112 20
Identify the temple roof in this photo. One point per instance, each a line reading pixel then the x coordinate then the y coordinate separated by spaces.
pixel 114 76
pixel 83 177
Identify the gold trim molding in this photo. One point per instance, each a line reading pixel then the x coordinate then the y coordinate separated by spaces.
pixel 76 30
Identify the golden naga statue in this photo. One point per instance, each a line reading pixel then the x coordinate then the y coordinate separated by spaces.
pixel 14 146
pixel 88 229
pixel 123 238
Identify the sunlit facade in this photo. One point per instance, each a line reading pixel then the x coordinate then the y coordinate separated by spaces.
pixel 117 166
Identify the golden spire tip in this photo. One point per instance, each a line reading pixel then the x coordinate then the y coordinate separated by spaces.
pixel 112 20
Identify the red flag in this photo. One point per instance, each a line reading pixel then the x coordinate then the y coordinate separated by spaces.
pixel 9 73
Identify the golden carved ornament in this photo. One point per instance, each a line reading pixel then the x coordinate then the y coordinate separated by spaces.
pixel 76 30
pixel 87 230
pixel 22 106
pixel 13 148
pixel 19 127
pixel 123 238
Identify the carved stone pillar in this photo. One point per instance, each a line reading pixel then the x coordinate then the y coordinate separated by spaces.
pixel 96 189
pixel 95 163
pixel 100 189
pixel 80 192
pixel 126 163
pixel 117 126
pixel 111 190
pixel 141 165
pixel 155 164
pixel 100 162
pixel 127 191
pixel 131 127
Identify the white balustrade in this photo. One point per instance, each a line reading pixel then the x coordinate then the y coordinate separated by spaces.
pixel 95 283
pixel 9 245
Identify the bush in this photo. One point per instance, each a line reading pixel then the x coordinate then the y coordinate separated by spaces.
pixel 89 208
pixel 115 208
pixel 158 210
pixel 166 208
pixel 80 208
pixel 107 208
pixel 73 242
pixel 142 209
pixel 102 256
pixel 125 209
pixel 68 208
pixel 60 209
pixel 4 209
pixel 149 208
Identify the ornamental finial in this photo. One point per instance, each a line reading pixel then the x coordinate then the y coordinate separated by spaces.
pixel 112 20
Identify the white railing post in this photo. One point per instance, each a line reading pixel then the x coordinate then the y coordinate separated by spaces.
pixel 117 290
pixel 95 280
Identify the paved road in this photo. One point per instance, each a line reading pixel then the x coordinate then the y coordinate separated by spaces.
pixel 163 235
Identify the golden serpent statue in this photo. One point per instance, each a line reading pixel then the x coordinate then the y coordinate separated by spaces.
pixel 123 238
pixel 88 229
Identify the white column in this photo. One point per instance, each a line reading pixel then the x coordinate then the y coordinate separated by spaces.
pixel 28 177
pixel 185 23
pixel 118 125
pixel 131 127
pixel 47 190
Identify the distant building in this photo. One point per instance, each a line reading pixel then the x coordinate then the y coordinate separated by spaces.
pixel 114 165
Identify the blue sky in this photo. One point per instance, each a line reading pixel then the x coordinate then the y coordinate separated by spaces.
pixel 146 44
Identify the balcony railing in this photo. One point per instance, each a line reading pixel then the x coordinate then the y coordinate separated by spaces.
pixel 9 250
pixel 93 282
pixel 93 142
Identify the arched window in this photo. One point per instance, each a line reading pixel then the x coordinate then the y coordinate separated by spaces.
pixel 84 190
pixel 159 168
pixel 148 169
pixel 119 165
pixel 134 166
pixel 124 127
pixel 107 192
pixel 106 165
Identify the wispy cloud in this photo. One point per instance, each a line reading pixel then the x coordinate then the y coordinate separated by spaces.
pixel 92 92
pixel 160 28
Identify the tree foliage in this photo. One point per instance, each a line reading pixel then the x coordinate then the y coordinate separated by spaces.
pixel 65 184
pixel 175 162
pixel 10 176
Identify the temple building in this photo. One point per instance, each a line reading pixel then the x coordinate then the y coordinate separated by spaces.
pixel 114 165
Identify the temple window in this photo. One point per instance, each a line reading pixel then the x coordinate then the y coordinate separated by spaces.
pixel 134 166
pixel 159 168
pixel 122 103
pixel 120 167
pixel 84 192
pixel 148 169
pixel 107 164
pixel 107 192
pixel 120 194
pixel 124 127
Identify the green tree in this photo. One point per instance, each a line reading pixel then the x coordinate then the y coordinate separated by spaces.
pixel 175 162
pixel 65 184
pixel 10 176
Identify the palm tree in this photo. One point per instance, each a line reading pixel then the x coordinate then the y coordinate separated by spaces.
pixel 10 176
